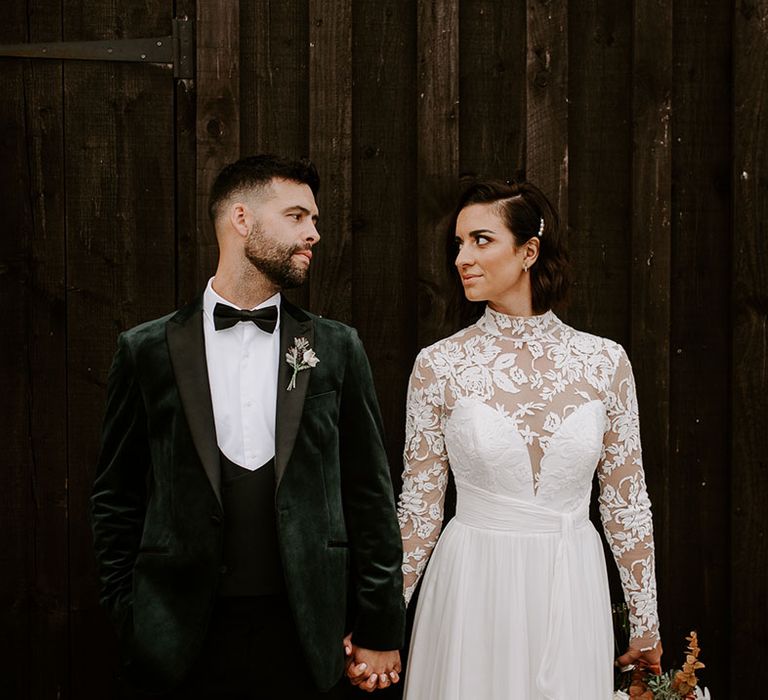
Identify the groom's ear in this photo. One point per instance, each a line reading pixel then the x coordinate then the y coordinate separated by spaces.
pixel 240 217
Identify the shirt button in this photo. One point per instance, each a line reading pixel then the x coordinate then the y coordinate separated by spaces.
pixel 223 569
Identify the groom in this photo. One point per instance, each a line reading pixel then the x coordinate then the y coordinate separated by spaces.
pixel 242 511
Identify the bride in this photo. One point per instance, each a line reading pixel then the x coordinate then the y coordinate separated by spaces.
pixel 523 409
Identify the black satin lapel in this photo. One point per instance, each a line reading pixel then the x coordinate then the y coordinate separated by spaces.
pixel 186 344
pixel 290 404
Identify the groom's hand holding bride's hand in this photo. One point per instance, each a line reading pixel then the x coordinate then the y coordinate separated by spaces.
pixel 369 669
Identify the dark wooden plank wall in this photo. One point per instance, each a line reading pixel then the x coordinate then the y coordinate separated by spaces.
pixel 121 259
pixel 217 80
pixel 89 178
pixel 383 212
pixel 644 122
pixel 651 245
pixel 33 509
pixel 436 81
pixel 748 484
pixel 700 323
pixel 547 110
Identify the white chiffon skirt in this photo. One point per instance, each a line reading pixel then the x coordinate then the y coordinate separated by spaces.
pixel 514 606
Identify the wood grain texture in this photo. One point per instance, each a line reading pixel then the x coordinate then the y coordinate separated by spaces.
pixel 700 322
pixel 34 483
pixel 274 93
pixel 383 215
pixel 218 121
pixel 492 107
pixel 651 212
pixel 274 99
pixel 599 178
pixel 749 388
pixel 437 133
pixel 330 145
pixel 17 506
pixel 599 165
pixel 121 259
pixel 547 100
pixel 185 135
pixel 47 328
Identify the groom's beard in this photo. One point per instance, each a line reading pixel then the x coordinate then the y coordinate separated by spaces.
pixel 275 260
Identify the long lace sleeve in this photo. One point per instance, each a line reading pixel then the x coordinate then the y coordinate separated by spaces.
pixel 625 508
pixel 425 474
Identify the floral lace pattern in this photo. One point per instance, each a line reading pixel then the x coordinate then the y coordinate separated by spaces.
pixel 530 407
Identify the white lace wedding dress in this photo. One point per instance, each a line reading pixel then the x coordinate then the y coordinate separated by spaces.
pixel 514 603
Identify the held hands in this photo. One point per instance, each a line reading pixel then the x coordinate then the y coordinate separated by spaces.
pixel 369 669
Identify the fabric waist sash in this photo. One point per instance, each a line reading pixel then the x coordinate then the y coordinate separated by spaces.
pixel 482 509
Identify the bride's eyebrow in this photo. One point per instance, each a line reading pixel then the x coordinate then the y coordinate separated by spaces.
pixel 481 232
pixel 475 234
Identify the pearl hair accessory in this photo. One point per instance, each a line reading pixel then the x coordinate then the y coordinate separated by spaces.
pixel 541 229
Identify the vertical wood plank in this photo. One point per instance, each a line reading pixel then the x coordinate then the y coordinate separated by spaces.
pixel 187 286
pixel 547 100
pixel 120 218
pixel 274 51
pixel 651 281
pixel 330 144
pixel 383 217
pixel 17 590
pixel 749 394
pixel 47 362
pixel 492 61
pixel 218 123
pixel 274 85
pixel 700 321
pixel 599 142
pixel 437 129
pixel 599 165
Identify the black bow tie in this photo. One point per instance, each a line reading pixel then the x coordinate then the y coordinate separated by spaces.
pixel 227 316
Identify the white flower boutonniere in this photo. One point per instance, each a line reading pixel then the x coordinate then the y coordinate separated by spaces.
pixel 300 357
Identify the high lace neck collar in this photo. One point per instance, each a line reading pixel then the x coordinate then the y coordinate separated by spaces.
pixel 518 327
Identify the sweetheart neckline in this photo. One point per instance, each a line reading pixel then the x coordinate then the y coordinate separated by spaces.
pixel 519 437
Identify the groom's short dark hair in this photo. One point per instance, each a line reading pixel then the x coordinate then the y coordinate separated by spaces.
pixel 255 172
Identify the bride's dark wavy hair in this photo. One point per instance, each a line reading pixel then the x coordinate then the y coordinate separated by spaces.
pixel 521 206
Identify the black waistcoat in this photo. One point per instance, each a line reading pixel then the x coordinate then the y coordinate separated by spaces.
pixel 251 554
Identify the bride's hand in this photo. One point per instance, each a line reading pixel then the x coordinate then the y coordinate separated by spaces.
pixel 650 659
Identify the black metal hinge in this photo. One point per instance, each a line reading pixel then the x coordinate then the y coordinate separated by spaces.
pixel 177 50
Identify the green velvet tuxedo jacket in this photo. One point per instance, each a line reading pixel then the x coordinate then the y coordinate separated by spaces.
pixel 156 502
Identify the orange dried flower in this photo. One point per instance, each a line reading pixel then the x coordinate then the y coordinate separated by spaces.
pixel 685 680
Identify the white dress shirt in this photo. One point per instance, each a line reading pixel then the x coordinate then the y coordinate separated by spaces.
pixel 242 374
